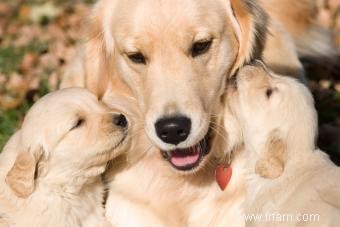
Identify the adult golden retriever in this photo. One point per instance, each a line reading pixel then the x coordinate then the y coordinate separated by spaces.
pixel 50 170
pixel 174 58
pixel 289 181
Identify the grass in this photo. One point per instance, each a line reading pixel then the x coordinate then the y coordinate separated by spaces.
pixel 9 122
pixel 11 57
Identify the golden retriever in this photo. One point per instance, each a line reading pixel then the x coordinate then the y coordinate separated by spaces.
pixel 50 170
pixel 278 122
pixel 174 58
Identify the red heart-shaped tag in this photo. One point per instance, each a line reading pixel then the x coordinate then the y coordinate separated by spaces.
pixel 223 176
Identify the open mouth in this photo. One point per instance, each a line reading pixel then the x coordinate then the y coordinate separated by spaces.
pixel 189 158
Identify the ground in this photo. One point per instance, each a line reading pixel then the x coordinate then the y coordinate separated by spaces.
pixel 38 38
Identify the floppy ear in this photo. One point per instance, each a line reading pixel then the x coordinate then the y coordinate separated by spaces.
pixel 21 176
pixel 94 53
pixel 273 159
pixel 249 22
pixel 100 68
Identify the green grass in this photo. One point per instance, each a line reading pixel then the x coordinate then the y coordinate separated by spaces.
pixel 11 57
pixel 9 122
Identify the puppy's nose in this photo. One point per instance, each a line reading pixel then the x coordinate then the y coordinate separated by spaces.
pixel 119 120
pixel 173 130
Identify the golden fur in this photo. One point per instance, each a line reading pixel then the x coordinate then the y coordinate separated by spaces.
pixel 50 169
pixel 308 183
pixel 171 81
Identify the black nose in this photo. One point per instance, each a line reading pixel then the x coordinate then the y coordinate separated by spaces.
pixel 119 120
pixel 173 130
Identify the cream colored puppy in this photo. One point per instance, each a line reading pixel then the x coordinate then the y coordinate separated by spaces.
pixel 279 124
pixel 50 170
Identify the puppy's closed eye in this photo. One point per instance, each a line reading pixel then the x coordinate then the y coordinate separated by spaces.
pixel 270 91
pixel 79 122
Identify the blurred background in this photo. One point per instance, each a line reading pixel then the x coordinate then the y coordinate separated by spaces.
pixel 39 37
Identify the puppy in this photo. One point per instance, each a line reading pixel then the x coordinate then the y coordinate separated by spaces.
pixel 278 123
pixel 50 170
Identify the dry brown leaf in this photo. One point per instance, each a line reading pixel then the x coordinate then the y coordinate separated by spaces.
pixel 53 80
pixel 325 18
pixel 337 87
pixel 55 32
pixel 16 84
pixel 334 4
pixel 12 29
pixel 34 83
pixel 26 34
pixel 325 84
pixel 24 13
pixel 39 11
pixel 48 61
pixel 2 79
pixel 28 62
pixel 4 9
pixel 8 102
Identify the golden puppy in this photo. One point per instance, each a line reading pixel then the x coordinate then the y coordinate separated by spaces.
pixel 50 170
pixel 278 121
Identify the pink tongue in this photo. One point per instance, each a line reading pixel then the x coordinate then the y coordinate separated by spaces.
pixel 185 160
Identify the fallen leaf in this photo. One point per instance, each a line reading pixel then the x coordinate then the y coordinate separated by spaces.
pixel 28 62
pixel 24 13
pixel 16 84
pixel 48 10
pixel 8 102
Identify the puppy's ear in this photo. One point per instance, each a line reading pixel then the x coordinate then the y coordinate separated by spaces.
pixel 21 176
pixel 273 159
pixel 249 22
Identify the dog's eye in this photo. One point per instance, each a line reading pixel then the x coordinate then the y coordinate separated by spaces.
pixel 78 123
pixel 200 47
pixel 137 58
pixel 269 92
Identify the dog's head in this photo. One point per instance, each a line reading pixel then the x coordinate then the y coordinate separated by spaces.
pixel 271 108
pixel 175 57
pixel 67 136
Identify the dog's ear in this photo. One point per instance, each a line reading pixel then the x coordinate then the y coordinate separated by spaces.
pixel 21 176
pixel 95 65
pixel 99 58
pixel 249 22
pixel 272 160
